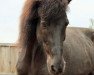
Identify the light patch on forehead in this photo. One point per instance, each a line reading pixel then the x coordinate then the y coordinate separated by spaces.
pixel 57 36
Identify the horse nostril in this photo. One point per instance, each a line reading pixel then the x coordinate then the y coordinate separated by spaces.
pixel 56 70
pixel 53 68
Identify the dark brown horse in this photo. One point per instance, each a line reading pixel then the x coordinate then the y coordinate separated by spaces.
pixel 47 49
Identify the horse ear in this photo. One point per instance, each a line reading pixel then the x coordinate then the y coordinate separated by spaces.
pixel 37 3
pixel 69 1
pixel 92 37
pixel 35 7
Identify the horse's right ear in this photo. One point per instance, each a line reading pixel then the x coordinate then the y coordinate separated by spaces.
pixel 34 10
pixel 69 1
pixel 37 3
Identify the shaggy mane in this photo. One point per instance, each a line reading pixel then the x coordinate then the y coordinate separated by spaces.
pixel 30 18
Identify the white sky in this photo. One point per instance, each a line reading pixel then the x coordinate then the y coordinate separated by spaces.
pixel 79 15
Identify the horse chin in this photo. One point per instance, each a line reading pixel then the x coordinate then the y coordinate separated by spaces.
pixel 52 73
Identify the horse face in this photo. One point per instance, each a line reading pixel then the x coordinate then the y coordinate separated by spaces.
pixel 51 35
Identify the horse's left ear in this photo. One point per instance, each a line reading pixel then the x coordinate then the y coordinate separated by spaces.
pixel 92 37
pixel 69 1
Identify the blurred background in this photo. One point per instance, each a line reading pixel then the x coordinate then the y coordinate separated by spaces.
pixel 80 14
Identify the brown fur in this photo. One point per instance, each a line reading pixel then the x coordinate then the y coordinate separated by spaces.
pixel 79 51
pixel 33 13
pixel 27 38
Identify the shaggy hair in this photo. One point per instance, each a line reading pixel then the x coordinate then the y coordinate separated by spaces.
pixel 31 16
pixel 33 12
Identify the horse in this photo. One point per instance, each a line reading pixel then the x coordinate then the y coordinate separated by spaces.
pixel 78 51
pixel 48 46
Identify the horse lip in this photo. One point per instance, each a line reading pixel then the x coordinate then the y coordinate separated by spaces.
pixel 55 73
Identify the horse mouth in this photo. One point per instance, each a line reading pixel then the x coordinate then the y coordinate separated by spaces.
pixel 56 73
pixel 59 71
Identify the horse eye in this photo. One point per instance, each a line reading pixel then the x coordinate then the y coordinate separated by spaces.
pixel 44 24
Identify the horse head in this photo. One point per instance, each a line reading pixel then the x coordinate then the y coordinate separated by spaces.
pixel 51 32
pixel 44 21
